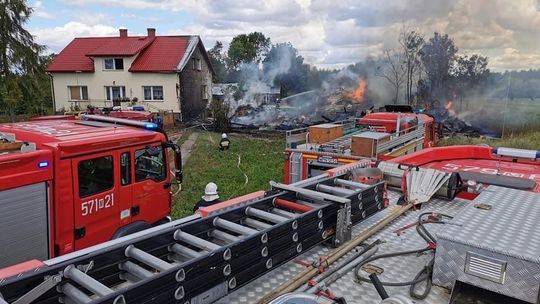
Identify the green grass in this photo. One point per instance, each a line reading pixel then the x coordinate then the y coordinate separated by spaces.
pixel 261 161
pixel 526 140
pixel 518 115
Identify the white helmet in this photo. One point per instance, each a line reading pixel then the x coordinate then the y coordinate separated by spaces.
pixel 210 189
pixel 223 135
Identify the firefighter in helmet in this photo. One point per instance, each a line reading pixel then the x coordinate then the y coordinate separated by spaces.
pixel 209 198
pixel 224 143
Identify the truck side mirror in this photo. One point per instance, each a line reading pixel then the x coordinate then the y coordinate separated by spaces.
pixel 178 174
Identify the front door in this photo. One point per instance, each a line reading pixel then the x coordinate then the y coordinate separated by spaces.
pixel 96 202
pixel 151 197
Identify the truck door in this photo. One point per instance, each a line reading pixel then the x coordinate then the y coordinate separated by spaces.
pixel 151 197
pixel 125 191
pixel 96 199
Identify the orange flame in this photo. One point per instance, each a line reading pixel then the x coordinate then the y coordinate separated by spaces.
pixel 449 106
pixel 357 95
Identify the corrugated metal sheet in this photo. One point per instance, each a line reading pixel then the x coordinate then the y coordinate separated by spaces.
pixel 23 224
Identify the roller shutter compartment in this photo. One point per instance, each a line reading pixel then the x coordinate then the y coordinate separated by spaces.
pixel 23 224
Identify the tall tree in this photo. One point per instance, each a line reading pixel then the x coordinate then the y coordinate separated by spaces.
pixel 284 67
pixel 411 43
pixel 470 73
pixel 394 70
pixel 438 55
pixel 247 48
pixel 218 61
pixel 24 86
pixel 19 54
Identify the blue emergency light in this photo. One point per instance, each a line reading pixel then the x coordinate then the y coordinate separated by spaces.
pixel 150 126
pixel 43 164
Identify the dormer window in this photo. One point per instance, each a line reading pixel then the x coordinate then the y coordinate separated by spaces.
pixel 110 64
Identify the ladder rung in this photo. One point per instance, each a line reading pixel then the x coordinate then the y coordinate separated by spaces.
pixel 335 190
pixel 74 294
pixel 283 213
pixel 182 236
pixel 234 227
pixel 350 184
pixel 224 236
pixel 146 258
pixel 185 251
pixel 135 270
pixel 86 281
pixel 256 224
pixel 274 218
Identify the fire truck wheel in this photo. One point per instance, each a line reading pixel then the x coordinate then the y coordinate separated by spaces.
pixel 130 228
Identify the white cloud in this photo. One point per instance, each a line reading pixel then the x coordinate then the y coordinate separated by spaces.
pixel 512 59
pixel 338 32
pixel 56 38
pixel 39 11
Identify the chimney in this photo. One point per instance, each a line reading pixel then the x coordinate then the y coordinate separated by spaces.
pixel 123 33
pixel 151 32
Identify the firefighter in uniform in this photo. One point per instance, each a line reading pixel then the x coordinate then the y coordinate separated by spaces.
pixel 224 143
pixel 209 198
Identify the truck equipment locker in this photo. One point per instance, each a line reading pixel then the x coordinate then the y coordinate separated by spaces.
pixel 24 224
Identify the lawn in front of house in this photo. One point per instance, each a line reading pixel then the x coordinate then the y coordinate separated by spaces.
pixel 261 159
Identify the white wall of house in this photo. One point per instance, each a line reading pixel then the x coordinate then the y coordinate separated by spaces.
pixel 101 78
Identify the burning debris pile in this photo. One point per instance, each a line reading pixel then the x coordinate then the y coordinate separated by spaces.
pixel 451 124
pixel 340 99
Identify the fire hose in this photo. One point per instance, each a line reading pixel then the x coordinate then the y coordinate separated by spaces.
pixel 424 275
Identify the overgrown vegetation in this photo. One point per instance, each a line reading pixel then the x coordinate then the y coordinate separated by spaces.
pixel 261 161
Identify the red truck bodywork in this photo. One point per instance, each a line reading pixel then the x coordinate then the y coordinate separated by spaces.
pixel 386 122
pixel 62 146
pixel 474 159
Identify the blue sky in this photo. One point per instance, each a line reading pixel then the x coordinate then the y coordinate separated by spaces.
pixel 326 33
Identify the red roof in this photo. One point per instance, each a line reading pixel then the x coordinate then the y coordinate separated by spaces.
pixel 157 54
pixel 128 46
pixel 162 55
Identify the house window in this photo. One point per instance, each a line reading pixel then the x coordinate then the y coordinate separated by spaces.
pixel 204 92
pixel 115 93
pixel 196 63
pixel 78 92
pixel 153 93
pixel 113 64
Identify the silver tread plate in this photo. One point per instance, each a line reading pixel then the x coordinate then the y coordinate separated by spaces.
pixel 395 269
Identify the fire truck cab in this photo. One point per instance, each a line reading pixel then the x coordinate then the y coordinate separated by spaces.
pixel 69 184
pixel 376 136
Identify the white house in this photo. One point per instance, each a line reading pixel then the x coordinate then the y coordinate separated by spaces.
pixel 171 73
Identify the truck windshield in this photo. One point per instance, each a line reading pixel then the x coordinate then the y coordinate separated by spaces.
pixel 150 165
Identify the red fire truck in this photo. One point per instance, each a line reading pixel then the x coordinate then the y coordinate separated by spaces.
pixel 376 136
pixel 68 184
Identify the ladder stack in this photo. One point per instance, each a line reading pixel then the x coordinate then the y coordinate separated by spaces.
pixel 203 260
